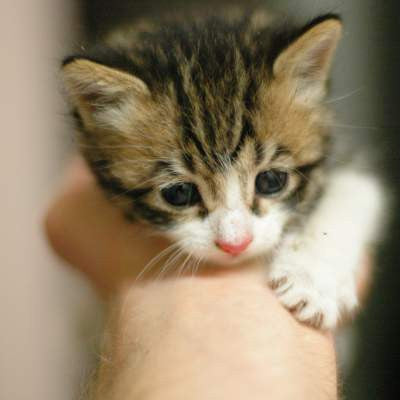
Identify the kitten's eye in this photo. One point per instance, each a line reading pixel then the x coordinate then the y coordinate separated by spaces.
pixel 181 195
pixel 271 182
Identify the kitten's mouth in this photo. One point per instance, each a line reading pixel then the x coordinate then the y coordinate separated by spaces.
pixel 225 261
pixel 234 249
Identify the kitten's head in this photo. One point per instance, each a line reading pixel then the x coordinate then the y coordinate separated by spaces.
pixel 213 132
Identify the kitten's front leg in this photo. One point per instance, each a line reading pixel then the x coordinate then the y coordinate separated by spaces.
pixel 314 271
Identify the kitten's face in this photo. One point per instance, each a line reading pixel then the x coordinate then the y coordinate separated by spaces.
pixel 220 163
pixel 236 192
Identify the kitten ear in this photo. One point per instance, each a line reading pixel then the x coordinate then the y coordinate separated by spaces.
pixel 93 87
pixel 306 63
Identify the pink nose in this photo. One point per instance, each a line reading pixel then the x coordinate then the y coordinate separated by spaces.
pixel 234 249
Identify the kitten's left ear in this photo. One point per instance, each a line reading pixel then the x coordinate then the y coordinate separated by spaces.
pixel 306 63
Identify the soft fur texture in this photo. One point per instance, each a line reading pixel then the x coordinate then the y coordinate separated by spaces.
pixel 215 102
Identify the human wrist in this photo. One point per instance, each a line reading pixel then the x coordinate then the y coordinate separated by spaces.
pixel 221 336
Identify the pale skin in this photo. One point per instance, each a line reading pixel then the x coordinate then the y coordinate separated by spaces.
pixel 216 335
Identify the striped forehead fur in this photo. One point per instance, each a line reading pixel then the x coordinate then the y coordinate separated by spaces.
pixel 213 106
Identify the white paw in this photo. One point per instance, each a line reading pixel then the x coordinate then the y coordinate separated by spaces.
pixel 313 295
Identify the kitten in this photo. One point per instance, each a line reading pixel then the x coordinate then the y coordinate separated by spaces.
pixel 215 132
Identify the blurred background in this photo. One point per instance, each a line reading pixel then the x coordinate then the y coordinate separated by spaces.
pixel 50 318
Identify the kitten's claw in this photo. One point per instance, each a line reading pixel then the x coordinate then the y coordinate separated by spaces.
pixel 310 302
pixel 276 284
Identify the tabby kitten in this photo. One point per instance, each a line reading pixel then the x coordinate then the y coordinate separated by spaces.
pixel 215 132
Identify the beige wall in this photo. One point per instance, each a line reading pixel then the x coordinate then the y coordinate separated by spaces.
pixel 40 353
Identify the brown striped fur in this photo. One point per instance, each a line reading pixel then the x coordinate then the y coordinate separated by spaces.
pixel 189 101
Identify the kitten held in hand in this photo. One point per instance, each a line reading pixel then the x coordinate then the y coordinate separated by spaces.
pixel 215 132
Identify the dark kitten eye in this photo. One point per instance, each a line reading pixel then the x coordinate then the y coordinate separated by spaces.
pixel 271 182
pixel 181 195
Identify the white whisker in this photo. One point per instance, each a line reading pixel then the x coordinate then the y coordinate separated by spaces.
pixel 181 270
pixel 345 96
pixel 349 126
pixel 157 258
pixel 196 266
pixel 170 262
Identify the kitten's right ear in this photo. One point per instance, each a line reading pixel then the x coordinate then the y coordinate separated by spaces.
pixel 92 87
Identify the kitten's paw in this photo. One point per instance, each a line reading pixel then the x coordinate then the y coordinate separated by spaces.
pixel 297 293
pixel 318 304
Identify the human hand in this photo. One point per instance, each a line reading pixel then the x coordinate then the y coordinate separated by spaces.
pixel 230 321
pixel 93 237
